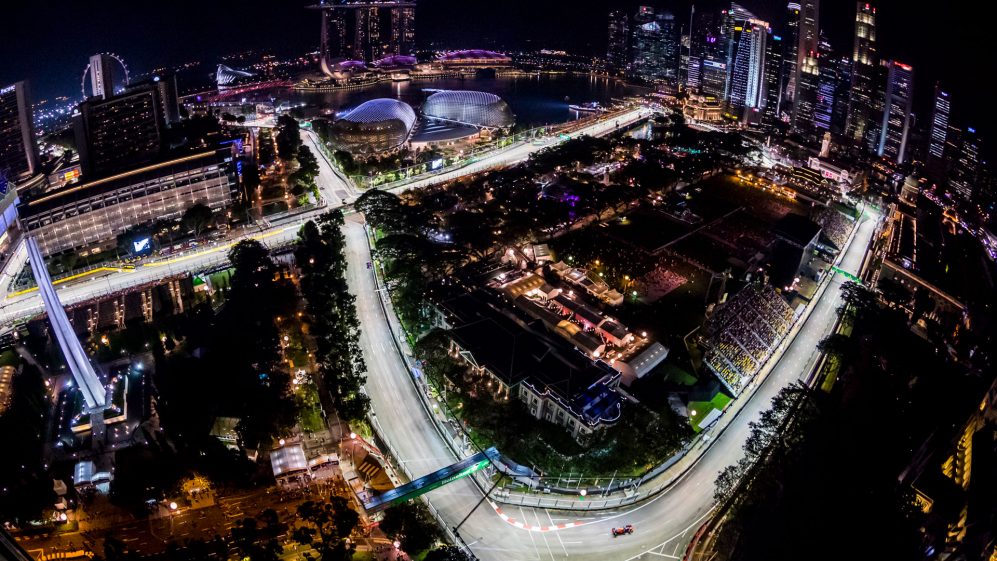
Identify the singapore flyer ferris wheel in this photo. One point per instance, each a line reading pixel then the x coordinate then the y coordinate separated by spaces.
pixel 114 69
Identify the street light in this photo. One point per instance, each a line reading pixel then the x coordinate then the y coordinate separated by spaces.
pixel 173 505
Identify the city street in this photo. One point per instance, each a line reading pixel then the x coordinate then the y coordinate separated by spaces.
pixel 664 524
pixel 336 190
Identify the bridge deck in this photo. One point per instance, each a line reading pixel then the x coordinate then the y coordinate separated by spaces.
pixel 432 481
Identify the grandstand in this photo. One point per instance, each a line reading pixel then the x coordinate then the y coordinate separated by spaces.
pixel 743 334
pixel 835 226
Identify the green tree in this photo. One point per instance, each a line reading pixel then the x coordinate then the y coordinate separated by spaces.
pixel 288 137
pixel 838 345
pixel 448 553
pixel 413 525
pixel 383 210
pixel 321 257
pixel 331 521
pixel 196 218
pixel 859 301
pixel 303 178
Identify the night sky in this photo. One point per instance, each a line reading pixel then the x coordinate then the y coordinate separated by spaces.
pixel 49 41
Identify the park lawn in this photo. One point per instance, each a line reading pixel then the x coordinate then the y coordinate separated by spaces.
pixel 220 279
pixel 311 419
pixel 830 372
pixel 704 408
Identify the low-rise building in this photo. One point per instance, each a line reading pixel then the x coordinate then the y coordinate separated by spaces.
pixel 524 360
pixel 703 108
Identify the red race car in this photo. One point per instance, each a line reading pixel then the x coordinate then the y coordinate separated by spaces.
pixel 628 529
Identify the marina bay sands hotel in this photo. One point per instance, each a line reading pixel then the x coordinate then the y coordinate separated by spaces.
pixel 366 30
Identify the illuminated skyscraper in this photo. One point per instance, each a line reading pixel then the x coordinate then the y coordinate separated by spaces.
pixel 939 132
pixel 773 77
pixel 18 152
pixel 807 91
pixel 655 46
pixel 618 52
pixel 747 63
pixel 895 125
pixel 842 94
pixel 966 167
pixel 123 131
pixel 830 99
pixel 708 54
pixel 862 111
pixel 402 33
pixel 792 48
pixel 808 32
pixel 365 30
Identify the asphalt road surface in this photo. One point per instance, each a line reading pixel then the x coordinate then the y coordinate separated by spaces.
pixel 664 524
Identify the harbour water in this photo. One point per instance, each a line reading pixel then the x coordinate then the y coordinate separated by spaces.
pixel 536 100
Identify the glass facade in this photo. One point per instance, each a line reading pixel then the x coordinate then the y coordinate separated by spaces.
pixel 618 51
pixel 864 61
pixel 896 111
pixel 91 215
pixel 378 125
pixel 18 154
pixel 656 48
pixel 479 109
pixel 748 61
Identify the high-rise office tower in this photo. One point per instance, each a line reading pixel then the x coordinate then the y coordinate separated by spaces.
pixel 706 43
pixel 364 30
pixel 809 31
pixel 807 91
pixel 120 132
pixel 895 125
pixel 105 74
pixel 791 50
pixel 655 46
pixel 861 102
pixel 671 32
pixel 773 78
pixel 18 151
pixel 937 135
pixel 842 94
pixel 966 167
pixel 618 51
pixel 747 63
pixel 827 85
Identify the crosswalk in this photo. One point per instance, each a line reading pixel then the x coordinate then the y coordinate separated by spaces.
pixel 369 467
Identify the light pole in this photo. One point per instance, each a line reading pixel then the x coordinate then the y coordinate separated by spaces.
pixel 173 510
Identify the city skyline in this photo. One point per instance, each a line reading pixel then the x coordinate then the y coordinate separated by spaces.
pixel 54 65
pixel 559 270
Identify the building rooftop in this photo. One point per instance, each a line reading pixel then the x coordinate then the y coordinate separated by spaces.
pixel 523 353
pixel 288 459
pixel 435 131
pixel 797 229
pixel 82 191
